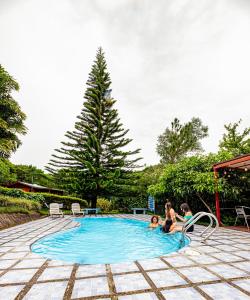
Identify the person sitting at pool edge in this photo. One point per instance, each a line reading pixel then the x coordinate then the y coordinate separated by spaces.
pixel 187 216
pixel 155 222
pixel 170 221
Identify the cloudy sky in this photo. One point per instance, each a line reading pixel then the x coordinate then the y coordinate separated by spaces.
pixel 167 58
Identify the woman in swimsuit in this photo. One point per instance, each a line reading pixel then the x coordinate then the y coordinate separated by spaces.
pixel 187 216
pixel 155 222
pixel 170 221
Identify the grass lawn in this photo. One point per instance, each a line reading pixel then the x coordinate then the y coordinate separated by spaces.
pixel 14 209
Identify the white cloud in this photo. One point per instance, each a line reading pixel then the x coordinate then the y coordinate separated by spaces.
pixel 166 59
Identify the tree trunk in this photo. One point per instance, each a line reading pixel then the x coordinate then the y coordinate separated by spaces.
pixel 93 201
pixel 202 200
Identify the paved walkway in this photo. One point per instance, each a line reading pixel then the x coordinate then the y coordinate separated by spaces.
pixel 219 269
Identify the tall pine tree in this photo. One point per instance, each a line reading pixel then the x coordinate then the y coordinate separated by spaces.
pixel 93 160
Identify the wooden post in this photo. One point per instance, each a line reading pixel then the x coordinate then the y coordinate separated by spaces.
pixel 217 198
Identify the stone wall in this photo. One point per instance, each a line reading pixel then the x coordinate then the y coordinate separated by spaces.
pixel 9 220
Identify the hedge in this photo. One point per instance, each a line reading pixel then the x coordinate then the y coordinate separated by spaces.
pixel 66 200
pixel 18 193
pixel 7 201
pixel 43 197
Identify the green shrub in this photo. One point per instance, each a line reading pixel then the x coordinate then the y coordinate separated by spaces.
pixel 44 212
pixel 18 193
pixel 43 197
pixel 66 200
pixel 114 211
pixel 125 204
pixel 104 204
pixel 111 212
pixel 13 209
pixel 230 220
pixel 7 201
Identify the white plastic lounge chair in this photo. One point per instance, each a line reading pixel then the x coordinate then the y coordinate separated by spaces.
pixel 54 210
pixel 241 214
pixel 76 209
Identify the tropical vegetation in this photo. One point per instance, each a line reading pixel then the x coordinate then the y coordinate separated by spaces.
pixel 11 116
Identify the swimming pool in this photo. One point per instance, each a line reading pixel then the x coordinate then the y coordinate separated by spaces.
pixel 108 240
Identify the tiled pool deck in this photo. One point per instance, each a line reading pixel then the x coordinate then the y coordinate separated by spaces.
pixel 219 269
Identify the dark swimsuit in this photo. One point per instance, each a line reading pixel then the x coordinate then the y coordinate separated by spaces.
pixel 191 228
pixel 167 225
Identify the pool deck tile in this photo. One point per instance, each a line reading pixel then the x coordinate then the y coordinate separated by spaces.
pixel 33 256
pixel 204 259
pixel 244 254
pixel 6 263
pixel 58 263
pixel 207 249
pixel 243 283
pixel 227 271
pixel 17 276
pixel 10 292
pixel 223 291
pixel 90 287
pixel 188 293
pixel 179 261
pixel 130 282
pixel 166 278
pixel 198 274
pixel 124 267
pixel 153 264
pixel 4 249
pixel 14 255
pixel 90 270
pixel 228 257
pixel 142 296
pixel 227 248
pixel 245 265
pixel 30 263
pixel 46 291
pixel 56 273
pixel 217 269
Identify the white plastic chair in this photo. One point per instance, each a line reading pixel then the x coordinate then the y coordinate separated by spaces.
pixel 241 214
pixel 54 210
pixel 76 209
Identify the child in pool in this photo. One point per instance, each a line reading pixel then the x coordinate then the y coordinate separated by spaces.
pixel 155 222
pixel 187 216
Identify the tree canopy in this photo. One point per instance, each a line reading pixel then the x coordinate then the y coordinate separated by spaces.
pixel 11 116
pixel 192 179
pixel 32 174
pixel 94 157
pixel 235 142
pixel 179 140
pixel 7 171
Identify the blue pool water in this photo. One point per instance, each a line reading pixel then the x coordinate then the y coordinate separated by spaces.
pixel 108 240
